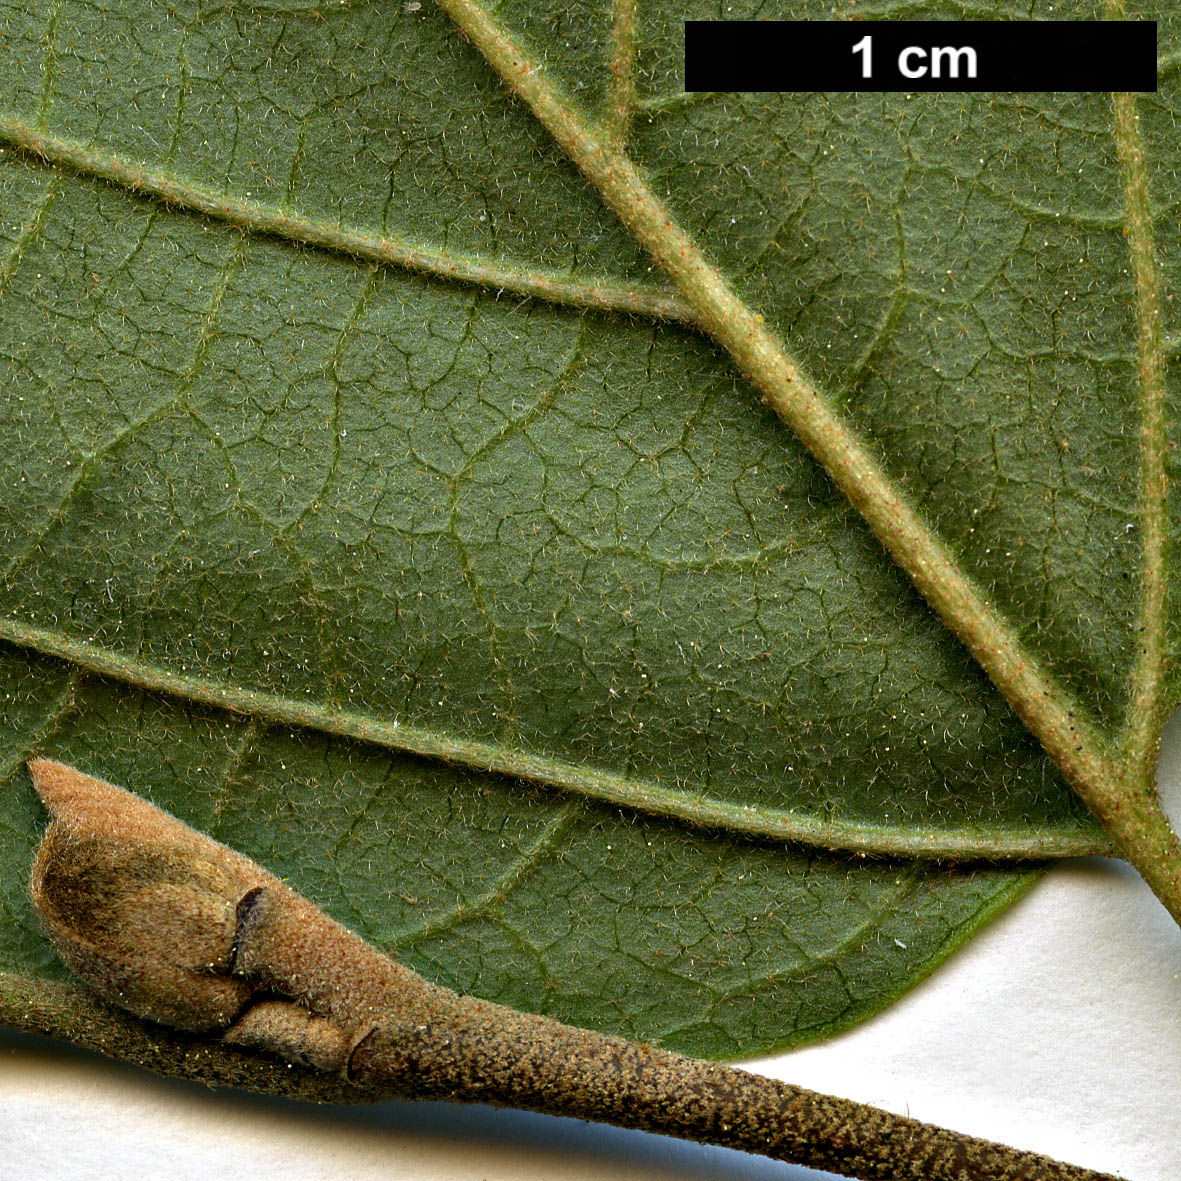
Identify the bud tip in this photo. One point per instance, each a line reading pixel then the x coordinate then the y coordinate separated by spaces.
pixel 84 803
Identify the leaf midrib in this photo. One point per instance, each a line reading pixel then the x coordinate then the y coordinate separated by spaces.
pixel 1120 791
pixel 1045 706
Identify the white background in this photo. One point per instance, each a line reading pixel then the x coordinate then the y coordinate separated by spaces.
pixel 1057 1029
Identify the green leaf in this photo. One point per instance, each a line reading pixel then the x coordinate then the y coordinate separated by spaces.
pixel 374 504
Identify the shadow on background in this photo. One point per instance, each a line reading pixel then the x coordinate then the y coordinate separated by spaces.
pixel 116 1104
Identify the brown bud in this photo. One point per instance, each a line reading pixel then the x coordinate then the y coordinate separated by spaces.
pixel 139 905
pixel 293 1033
pixel 173 926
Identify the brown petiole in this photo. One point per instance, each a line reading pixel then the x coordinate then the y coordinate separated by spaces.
pixel 179 929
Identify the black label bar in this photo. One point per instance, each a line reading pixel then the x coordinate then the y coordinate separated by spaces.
pixel 909 56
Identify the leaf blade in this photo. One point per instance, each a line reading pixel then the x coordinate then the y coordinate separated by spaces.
pixel 482 688
pixel 707 942
pixel 271 506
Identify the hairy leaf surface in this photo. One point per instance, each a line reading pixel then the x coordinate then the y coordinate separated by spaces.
pixel 350 432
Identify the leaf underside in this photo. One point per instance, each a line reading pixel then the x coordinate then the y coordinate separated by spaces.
pixel 494 611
